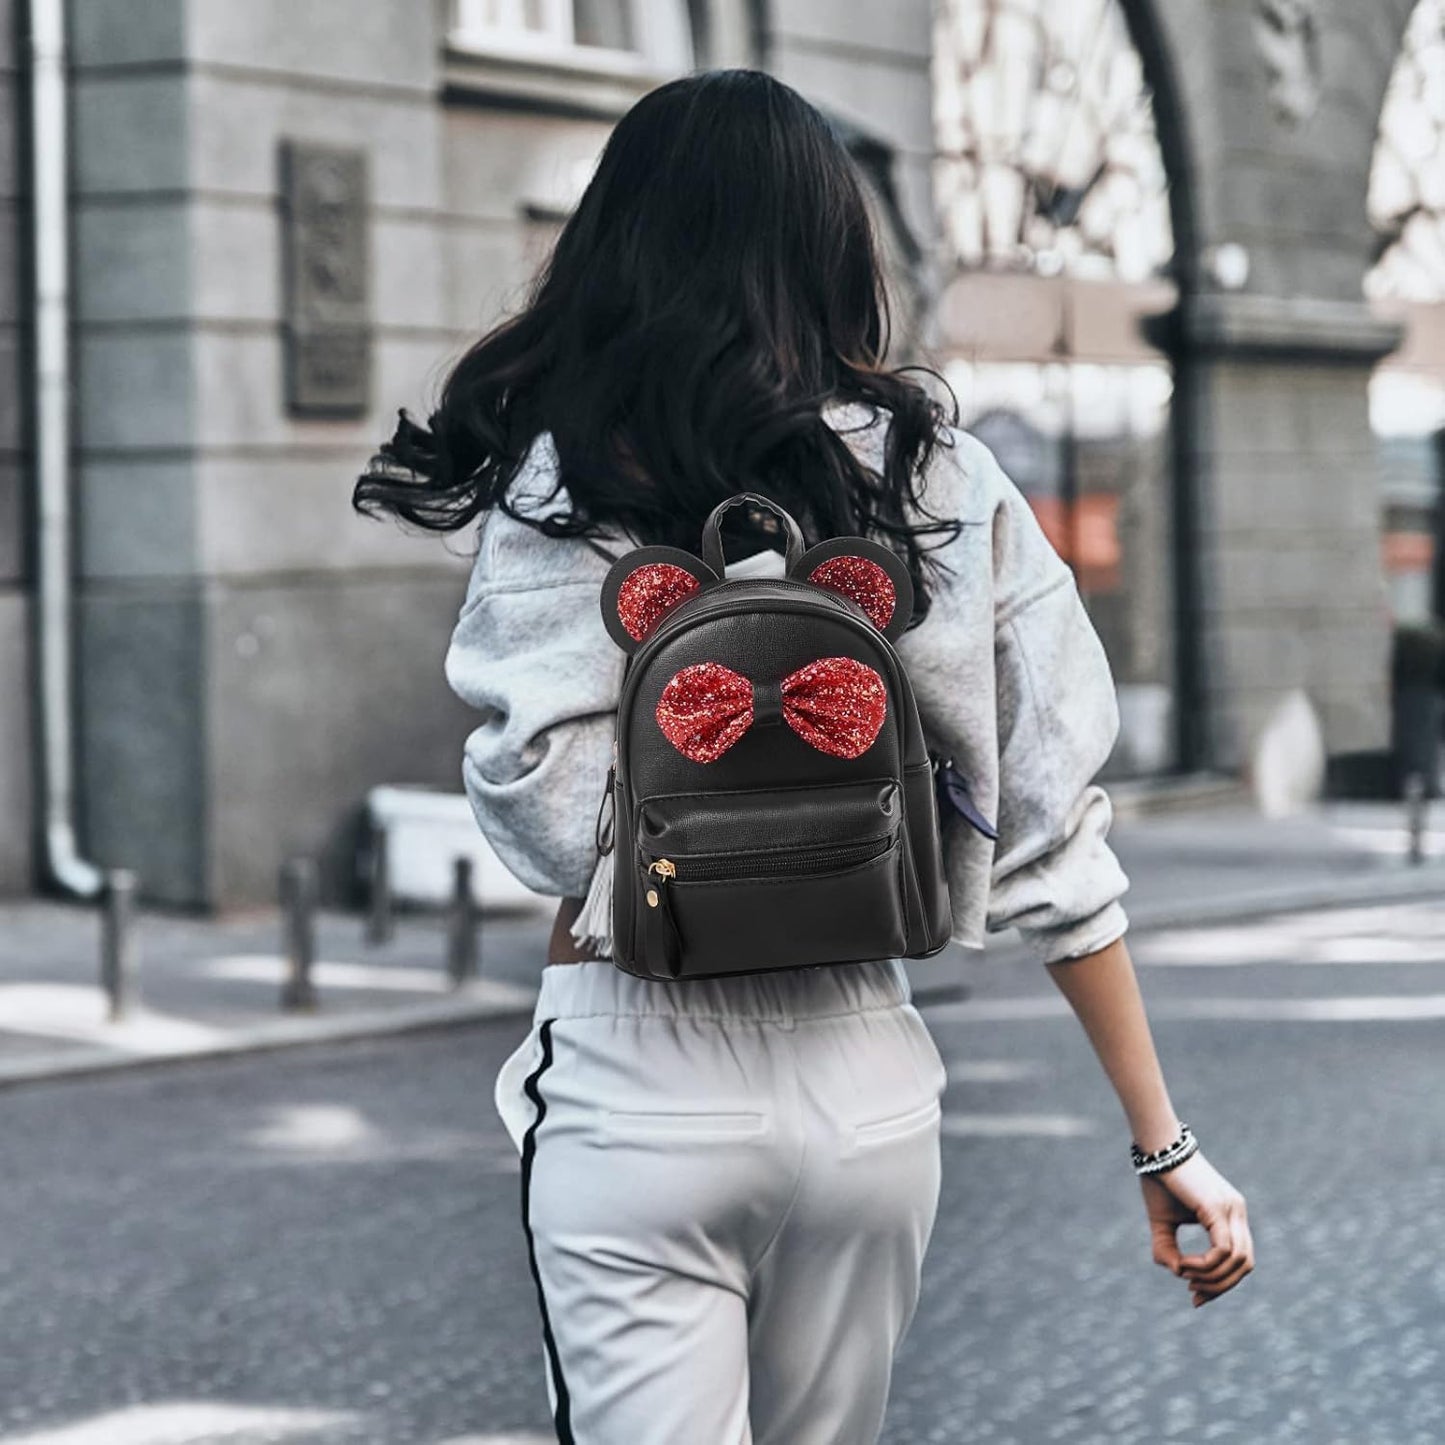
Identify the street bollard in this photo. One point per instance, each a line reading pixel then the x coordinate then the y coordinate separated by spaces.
pixel 378 913
pixel 298 918
pixel 118 976
pixel 461 926
pixel 1415 815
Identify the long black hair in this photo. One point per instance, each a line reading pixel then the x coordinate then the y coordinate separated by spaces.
pixel 716 287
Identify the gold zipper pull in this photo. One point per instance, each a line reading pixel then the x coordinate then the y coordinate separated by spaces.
pixel 661 942
pixel 665 868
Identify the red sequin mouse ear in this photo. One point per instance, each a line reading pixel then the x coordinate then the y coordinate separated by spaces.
pixel 865 572
pixel 641 588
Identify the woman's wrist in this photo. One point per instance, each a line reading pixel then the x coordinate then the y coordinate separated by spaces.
pixel 1103 991
pixel 1160 1161
pixel 1157 1132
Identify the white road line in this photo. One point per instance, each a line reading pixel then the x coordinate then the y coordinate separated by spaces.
pixel 527 1439
pixel 1003 1010
pixel 1356 1008
pixel 1347 1008
pixel 188 1423
pixel 1378 934
pixel 1006 1126
pixel 990 1071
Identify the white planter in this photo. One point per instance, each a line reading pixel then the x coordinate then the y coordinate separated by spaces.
pixel 426 830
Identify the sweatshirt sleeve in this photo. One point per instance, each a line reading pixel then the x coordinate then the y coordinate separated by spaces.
pixel 1055 877
pixel 530 654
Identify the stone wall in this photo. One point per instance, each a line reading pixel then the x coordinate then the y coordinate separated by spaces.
pixel 254 655
pixel 870 65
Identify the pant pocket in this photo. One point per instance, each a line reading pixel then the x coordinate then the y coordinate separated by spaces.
pixel 932 1071
pixel 682 1126
pixel 922 1118
pixel 509 1092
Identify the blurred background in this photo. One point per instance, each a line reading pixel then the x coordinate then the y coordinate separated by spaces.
pixel 1182 263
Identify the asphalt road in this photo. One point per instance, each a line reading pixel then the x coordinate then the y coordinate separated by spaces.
pixel 322 1246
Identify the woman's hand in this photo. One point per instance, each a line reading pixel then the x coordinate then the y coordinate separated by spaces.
pixel 1195 1192
pixel 1103 991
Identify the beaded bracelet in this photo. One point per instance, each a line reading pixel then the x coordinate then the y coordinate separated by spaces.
pixel 1169 1157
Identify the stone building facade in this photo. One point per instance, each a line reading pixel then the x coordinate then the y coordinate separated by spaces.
pixel 287 219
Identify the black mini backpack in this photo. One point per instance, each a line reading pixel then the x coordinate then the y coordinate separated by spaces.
pixel 773 799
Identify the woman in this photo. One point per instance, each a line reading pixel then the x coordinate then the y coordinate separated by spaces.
pixel 728 1185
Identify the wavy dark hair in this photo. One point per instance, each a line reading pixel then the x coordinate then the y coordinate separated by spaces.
pixel 716 287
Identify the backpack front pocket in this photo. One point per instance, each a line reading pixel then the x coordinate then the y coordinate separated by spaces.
pixel 816 863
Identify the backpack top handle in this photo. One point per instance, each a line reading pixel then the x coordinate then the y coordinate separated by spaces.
pixel 712 547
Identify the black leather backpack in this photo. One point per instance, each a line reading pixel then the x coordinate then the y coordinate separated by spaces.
pixel 773 798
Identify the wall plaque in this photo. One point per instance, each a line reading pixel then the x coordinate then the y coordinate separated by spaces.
pixel 325 198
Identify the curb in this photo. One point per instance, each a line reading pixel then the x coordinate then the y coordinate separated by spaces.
pixel 1416 884
pixel 1136 799
pixel 87 1061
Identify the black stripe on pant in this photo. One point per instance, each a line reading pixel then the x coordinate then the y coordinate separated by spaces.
pixel 532 1088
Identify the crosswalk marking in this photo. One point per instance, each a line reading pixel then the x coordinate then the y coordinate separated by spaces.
pixel 957 1124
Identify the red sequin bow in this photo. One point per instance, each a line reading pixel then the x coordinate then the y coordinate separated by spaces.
pixel 837 704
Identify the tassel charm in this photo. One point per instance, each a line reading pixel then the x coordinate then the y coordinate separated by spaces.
pixel 593 929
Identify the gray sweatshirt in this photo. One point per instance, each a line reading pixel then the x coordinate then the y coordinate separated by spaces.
pixel 1010 677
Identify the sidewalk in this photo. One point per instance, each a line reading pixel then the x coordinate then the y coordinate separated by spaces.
pixel 212 987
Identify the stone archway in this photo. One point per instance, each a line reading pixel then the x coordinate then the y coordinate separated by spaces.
pixel 1406 202
pixel 1273 347
pixel 1057 217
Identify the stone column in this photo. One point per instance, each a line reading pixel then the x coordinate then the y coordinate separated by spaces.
pixel 1272 111
pixel 1286 524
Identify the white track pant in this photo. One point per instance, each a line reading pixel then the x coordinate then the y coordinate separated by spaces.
pixel 728 1186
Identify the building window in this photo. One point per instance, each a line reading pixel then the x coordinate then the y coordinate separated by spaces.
pixel 1053 202
pixel 620 34
pixel 1407 181
pixel 1048 158
pixel 1406 202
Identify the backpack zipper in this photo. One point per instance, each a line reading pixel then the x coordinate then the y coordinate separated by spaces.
pixel 782 864
pixel 698 601
pixel 659 924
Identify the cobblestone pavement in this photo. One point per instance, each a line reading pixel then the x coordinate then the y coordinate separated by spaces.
pixel 322 1246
